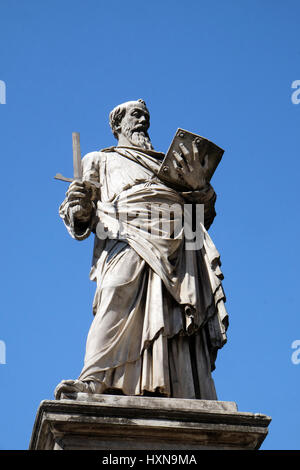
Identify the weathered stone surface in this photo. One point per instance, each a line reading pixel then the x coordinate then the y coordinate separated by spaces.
pixel 104 422
pixel 159 305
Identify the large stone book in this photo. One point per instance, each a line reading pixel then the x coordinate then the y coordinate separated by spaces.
pixel 206 150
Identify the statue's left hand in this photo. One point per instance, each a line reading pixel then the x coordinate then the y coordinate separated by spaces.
pixel 190 168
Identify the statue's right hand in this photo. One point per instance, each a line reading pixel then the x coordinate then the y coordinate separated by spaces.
pixel 79 201
pixel 78 191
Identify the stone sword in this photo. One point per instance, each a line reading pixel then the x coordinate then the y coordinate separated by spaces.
pixel 77 168
pixel 76 161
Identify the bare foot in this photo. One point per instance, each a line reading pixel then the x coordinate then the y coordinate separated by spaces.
pixel 73 386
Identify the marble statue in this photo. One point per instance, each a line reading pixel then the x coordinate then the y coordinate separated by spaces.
pixel 159 309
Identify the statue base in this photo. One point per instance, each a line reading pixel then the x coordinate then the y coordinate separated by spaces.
pixel 114 422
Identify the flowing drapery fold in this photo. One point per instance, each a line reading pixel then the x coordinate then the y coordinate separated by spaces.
pixel 159 308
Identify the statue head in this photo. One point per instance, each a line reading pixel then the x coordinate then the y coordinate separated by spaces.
pixel 130 122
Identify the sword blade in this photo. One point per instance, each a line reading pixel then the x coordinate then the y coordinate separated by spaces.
pixel 76 156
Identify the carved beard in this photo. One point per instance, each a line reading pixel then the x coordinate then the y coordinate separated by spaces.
pixel 138 138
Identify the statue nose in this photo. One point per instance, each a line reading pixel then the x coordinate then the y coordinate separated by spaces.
pixel 143 122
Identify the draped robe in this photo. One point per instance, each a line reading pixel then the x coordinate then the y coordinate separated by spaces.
pixel 159 313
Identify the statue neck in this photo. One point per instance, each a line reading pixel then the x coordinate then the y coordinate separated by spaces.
pixel 123 141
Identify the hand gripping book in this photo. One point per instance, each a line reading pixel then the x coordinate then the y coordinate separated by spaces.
pixel 167 171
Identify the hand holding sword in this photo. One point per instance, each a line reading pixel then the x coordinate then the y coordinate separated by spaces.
pixel 80 194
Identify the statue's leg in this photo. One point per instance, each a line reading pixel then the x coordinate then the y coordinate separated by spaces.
pixel 112 360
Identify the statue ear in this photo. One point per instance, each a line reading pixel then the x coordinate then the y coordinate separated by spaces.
pixel 117 131
pixel 118 128
pixel 115 119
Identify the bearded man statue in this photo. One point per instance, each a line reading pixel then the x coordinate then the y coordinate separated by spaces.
pixel 159 313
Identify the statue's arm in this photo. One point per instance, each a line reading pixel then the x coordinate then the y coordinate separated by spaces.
pixel 78 210
pixel 206 196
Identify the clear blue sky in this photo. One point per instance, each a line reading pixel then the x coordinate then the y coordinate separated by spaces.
pixel 222 69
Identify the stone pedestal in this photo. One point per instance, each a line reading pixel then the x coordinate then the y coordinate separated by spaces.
pixel 112 422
